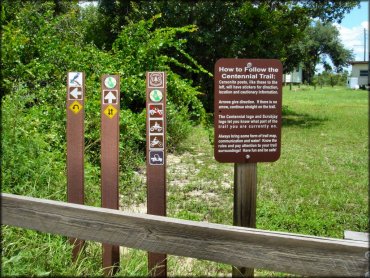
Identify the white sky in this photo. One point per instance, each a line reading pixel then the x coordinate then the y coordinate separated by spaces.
pixel 353 38
pixel 86 3
pixel 352 30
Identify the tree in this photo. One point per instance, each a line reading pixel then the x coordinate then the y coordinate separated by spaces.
pixel 321 42
pixel 327 10
pixel 255 29
pixel 40 47
pixel 329 78
pixel 228 29
pixel 10 8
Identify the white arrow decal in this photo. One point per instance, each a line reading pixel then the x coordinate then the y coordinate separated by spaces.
pixel 75 93
pixel 110 97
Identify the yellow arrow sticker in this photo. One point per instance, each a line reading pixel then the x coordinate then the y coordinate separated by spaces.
pixel 76 107
pixel 110 111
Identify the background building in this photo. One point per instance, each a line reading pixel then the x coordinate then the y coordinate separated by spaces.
pixel 360 70
pixel 294 77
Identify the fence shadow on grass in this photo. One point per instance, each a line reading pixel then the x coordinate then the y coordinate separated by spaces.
pixel 303 120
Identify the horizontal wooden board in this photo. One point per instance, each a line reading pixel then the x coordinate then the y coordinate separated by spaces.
pixel 284 252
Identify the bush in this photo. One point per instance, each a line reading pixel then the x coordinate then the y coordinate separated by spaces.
pixel 327 78
pixel 40 48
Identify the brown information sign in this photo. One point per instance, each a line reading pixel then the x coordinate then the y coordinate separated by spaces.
pixel 247 116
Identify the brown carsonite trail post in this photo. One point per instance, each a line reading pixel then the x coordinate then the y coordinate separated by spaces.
pixel 156 158
pixel 110 100
pixel 75 145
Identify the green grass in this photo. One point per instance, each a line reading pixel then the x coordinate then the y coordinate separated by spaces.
pixel 319 186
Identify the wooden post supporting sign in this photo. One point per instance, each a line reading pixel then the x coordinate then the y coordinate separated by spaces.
pixel 156 158
pixel 75 145
pixel 110 101
pixel 245 197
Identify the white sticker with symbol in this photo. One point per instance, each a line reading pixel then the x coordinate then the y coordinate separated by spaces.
pixel 156 142
pixel 110 82
pixel 110 97
pixel 156 157
pixel 156 95
pixel 156 126
pixel 75 79
pixel 75 93
pixel 156 80
pixel 155 111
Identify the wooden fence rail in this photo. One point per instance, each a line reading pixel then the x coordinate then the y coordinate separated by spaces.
pixel 283 252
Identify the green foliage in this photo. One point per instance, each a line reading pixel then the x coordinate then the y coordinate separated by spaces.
pixel 257 29
pixel 222 31
pixel 33 159
pixel 319 185
pixel 328 11
pixel 177 126
pixel 138 49
pixel 328 78
pixel 95 27
pixel 46 47
pixel 41 42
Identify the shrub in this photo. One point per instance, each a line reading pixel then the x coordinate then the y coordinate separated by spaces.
pixel 40 48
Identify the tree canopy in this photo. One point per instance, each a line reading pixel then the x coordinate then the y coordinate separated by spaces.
pixel 322 42
pixel 39 47
pixel 236 29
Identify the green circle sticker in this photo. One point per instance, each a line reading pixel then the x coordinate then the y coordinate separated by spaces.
pixel 156 95
pixel 110 82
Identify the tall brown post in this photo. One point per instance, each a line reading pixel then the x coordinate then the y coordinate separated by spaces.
pixel 110 101
pixel 156 158
pixel 75 145
pixel 245 196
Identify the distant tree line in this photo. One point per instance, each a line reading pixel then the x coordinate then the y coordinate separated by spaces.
pixel 328 78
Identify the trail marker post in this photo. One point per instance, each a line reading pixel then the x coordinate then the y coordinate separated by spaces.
pixel 75 145
pixel 156 158
pixel 247 116
pixel 110 101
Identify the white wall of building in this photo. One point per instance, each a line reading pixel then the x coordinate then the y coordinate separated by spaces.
pixel 293 77
pixel 361 71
